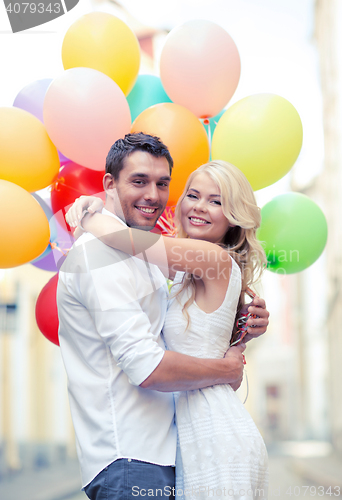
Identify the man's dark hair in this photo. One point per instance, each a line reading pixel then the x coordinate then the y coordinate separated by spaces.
pixel 138 141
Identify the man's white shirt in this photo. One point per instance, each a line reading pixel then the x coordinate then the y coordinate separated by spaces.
pixel 111 311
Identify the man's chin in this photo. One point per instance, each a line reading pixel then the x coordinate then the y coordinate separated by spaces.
pixel 142 228
pixel 143 225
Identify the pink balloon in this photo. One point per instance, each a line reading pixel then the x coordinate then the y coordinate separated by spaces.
pixel 85 112
pixel 200 67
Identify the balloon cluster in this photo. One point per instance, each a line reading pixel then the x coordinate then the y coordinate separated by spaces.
pixel 59 131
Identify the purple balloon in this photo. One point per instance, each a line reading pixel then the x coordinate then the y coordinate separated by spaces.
pixel 31 99
pixel 47 263
pixel 49 215
pixel 55 258
pixel 63 159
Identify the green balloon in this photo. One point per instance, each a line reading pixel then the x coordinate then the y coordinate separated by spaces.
pixel 293 233
pixel 147 91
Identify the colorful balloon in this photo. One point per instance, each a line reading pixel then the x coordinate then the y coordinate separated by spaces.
pixel 46 263
pixel 102 41
pixel 211 123
pixel 27 156
pixel 72 182
pixel 31 99
pixel 262 135
pixel 46 311
pixel 85 112
pixel 52 224
pixel 183 134
pixel 293 232
pixel 53 261
pixel 200 67
pixel 147 91
pixel 24 230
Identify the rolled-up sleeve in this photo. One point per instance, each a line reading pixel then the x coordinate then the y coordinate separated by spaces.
pixel 120 320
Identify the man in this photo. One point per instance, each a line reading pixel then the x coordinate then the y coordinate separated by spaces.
pixel 111 311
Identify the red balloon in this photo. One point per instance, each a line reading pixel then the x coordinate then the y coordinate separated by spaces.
pixel 46 311
pixel 73 181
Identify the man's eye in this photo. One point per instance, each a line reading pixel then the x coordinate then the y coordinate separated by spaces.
pixel 163 184
pixel 138 182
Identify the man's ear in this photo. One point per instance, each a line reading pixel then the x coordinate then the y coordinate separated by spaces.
pixel 109 185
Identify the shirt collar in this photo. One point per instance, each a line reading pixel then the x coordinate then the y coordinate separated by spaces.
pixel 107 212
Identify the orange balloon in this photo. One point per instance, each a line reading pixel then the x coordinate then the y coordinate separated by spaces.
pixel 183 133
pixel 25 231
pixel 27 155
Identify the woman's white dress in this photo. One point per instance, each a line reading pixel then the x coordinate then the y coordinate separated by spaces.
pixel 220 450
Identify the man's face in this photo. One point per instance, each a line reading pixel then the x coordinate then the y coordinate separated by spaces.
pixel 142 190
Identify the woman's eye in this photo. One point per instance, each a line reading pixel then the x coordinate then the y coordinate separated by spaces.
pixel 191 196
pixel 217 202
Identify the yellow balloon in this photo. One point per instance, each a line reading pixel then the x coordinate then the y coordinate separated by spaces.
pixel 24 230
pixel 103 42
pixel 262 135
pixel 27 155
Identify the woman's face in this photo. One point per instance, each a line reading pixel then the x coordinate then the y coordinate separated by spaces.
pixel 201 212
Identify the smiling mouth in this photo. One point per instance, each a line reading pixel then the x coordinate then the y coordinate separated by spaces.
pixel 147 211
pixel 197 220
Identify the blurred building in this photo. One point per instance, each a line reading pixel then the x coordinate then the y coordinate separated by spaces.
pixel 296 369
pixel 328 188
pixel 35 423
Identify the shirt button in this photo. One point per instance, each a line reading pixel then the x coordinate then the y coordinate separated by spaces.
pixel 129 460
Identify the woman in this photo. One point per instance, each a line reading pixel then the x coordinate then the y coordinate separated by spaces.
pixel 215 258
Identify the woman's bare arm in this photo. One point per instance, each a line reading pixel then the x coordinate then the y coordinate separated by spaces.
pixel 201 258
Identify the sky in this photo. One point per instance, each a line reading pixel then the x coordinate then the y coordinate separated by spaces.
pixel 274 38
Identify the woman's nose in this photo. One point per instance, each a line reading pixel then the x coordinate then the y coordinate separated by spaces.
pixel 200 205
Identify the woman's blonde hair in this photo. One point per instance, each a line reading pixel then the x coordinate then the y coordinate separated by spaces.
pixel 240 208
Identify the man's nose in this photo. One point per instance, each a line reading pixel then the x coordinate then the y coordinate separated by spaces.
pixel 151 193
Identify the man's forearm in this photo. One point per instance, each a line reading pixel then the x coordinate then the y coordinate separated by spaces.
pixel 179 372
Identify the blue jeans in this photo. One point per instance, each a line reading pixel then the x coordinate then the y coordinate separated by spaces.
pixel 128 479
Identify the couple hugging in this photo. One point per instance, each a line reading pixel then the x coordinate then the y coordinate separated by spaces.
pixel 151 375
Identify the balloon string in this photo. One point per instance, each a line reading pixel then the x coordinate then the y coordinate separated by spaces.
pixel 64 251
pixel 206 121
pixel 165 226
pixel 61 181
pixel 166 222
pixel 209 137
